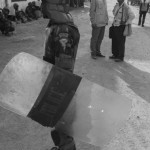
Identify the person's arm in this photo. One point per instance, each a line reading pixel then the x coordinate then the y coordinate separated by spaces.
pixel 147 7
pixel 131 16
pixel 114 9
pixel 140 7
pixel 92 11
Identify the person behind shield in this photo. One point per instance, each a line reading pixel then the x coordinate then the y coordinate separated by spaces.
pixel 123 16
pixel 99 19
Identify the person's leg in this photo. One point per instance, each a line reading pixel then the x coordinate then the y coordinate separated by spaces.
pixel 121 42
pixel 94 39
pixel 140 16
pixel 143 20
pixel 99 41
pixel 114 43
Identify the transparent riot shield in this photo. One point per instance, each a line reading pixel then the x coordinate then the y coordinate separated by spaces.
pixel 85 110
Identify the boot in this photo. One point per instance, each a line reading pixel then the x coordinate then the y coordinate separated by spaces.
pixel 62 141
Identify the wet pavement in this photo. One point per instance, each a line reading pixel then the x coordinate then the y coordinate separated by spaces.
pixel 130 78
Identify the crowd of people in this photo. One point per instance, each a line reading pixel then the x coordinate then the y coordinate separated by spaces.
pixel 8 19
pixel 32 12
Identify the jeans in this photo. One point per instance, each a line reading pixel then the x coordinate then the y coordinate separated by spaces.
pixel 142 17
pixel 96 39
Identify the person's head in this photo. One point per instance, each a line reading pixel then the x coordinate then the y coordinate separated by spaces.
pixel 120 1
pixel 5 11
pixel 67 8
pixel 16 6
pixel 33 3
pixel 30 4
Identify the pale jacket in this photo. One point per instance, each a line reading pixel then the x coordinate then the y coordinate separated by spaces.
pixel 127 17
pixel 98 13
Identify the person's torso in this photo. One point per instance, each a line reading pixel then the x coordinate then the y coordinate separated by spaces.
pixel 101 15
pixel 144 6
pixel 120 14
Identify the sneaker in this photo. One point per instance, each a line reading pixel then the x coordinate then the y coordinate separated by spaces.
pixel 99 55
pixel 112 57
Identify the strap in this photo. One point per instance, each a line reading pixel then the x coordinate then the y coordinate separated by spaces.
pixel 122 15
pixel 55 97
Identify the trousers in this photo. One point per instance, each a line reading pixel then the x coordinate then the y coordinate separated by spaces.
pixel 142 17
pixel 118 41
pixel 96 39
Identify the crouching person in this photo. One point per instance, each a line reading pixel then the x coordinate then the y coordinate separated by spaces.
pixel 6 26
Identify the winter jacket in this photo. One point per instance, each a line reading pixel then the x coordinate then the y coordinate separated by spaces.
pixel 127 13
pixel 98 13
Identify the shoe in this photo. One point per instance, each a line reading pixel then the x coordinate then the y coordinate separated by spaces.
pixel 99 55
pixel 142 25
pixel 119 60
pixel 112 57
pixel 93 57
pixel 54 148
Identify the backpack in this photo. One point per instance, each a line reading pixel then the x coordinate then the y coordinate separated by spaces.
pixel 61 47
pixel 63 44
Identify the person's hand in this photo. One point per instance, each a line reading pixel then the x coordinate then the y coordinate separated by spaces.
pixel 93 25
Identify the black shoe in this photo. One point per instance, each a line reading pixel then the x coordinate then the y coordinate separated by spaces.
pixel 112 57
pixel 54 148
pixel 93 56
pixel 99 55
pixel 119 60
pixel 142 25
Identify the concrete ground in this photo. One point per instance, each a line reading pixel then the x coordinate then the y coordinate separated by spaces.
pixel 130 78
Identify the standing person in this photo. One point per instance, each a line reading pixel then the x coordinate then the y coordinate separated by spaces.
pixel 144 6
pixel 99 19
pixel 123 16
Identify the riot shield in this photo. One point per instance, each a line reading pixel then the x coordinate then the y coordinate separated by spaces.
pixel 56 98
